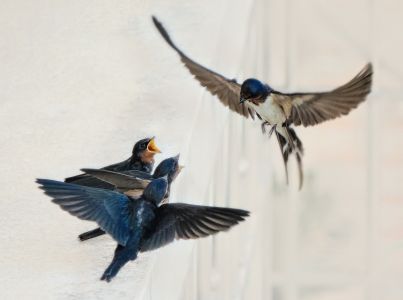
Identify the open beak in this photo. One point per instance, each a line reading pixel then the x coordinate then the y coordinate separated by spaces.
pixel 152 147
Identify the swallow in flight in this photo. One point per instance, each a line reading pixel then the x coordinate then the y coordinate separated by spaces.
pixel 277 109
pixel 132 183
pixel 142 159
pixel 142 224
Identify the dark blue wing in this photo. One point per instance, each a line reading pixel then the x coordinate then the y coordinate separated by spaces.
pixel 187 221
pixel 107 208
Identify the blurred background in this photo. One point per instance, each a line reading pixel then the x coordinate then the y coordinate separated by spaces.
pixel 81 81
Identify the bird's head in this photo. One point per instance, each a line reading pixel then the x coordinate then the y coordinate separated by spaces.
pixel 145 150
pixel 156 190
pixel 253 90
pixel 168 167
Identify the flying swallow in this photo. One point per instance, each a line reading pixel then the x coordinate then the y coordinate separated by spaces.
pixel 142 224
pixel 142 159
pixel 132 183
pixel 279 110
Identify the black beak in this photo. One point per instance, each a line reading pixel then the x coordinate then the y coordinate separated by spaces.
pixel 242 100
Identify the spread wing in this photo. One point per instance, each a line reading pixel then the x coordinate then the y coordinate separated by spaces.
pixel 123 180
pixel 186 221
pixel 314 108
pixel 88 180
pixel 107 208
pixel 227 91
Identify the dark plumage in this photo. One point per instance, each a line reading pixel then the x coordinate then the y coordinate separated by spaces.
pixel 253 89
pixel 142 159
pixel 139 225
pixel 133 183
pixel 140 164
pixel 277 109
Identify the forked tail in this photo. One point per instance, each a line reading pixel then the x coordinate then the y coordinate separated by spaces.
pixel 298 149
pixel 91 234
pixel 121 257
pixel 289 144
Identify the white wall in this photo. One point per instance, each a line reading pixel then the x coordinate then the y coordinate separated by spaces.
pixel 80 81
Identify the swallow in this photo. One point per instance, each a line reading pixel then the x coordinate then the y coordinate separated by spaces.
pixel 142 224
pixel 277 109
pixel 132 183
pixel 142 159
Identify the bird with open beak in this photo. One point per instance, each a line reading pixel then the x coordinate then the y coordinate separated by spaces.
pixel 133 183
pixel 141 224
pixel 276 109
pixel 142 159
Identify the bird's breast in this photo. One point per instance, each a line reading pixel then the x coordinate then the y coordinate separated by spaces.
pixel 270 111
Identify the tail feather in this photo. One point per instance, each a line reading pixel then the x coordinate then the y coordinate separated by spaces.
pixel 296 140
pixel 91 234
pixel 113 269
pixel 282 142
pixel 300 172
pixel 121 257
pixel 290 144
pixel 295 146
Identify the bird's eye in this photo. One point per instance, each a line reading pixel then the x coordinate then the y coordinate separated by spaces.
pixel 143 146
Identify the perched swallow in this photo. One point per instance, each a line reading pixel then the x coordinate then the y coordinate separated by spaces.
pixel 142 224
pixel 132 183
pixel 277 109
pixel 142 159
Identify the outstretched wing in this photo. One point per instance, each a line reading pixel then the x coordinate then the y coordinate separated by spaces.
pixel 186 221
pixel 123 180
pixel 107 208
pixel 87 180
pixel 314 108
pixel 227 91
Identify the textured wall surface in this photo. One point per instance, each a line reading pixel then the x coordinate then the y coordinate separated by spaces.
pixel 80 81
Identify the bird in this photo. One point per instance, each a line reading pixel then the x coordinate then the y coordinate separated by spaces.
pixel 140 163
pixel 132 183
pixel 142 159
pixel 277 109
pixel 139 225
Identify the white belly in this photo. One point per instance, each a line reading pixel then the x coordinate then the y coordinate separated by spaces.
pixel 270 111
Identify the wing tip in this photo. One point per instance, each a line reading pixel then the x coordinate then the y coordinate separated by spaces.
pixel 88 170
pixel 244 213
pixel 367 70
pixel 369 66
pixel 365 76
pixel 238 211
pixel 164 33
pixel 42 182
pixel 156 22
pixel 49 186
pixel 236 215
